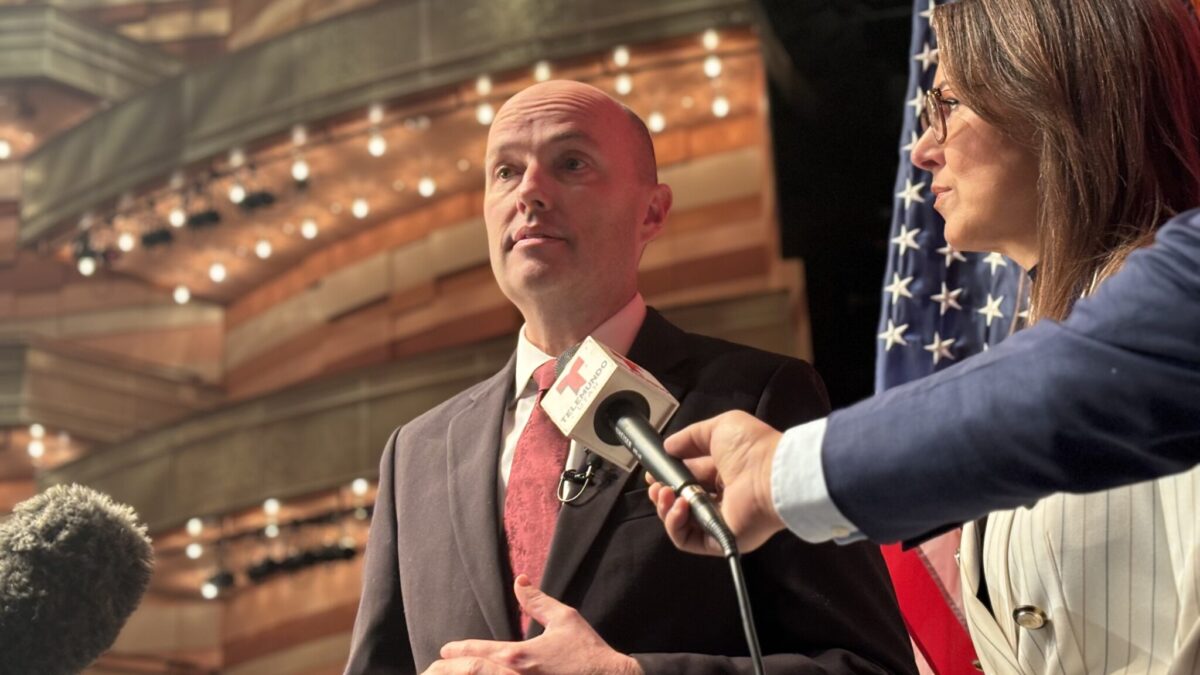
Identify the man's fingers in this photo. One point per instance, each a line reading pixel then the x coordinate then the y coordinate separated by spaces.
pixel 692 440
pixel 539 606
pixel 468 664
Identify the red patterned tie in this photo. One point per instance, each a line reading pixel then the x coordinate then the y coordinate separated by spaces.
pixel 531 505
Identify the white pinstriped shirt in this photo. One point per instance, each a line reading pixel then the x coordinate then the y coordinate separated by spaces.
pixel 1117 574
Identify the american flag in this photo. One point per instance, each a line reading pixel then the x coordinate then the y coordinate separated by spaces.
pixel 939 307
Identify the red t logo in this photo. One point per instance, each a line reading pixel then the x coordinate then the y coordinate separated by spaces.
pixel 573 379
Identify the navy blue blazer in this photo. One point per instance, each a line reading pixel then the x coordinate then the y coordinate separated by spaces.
pixel 1108 397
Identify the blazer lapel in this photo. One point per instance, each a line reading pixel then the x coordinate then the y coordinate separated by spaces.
pixel 472 461
pixel 658 346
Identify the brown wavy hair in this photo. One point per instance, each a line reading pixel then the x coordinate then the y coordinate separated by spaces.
pixel 1106 93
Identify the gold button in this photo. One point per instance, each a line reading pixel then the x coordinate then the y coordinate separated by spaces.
pixel 1029 617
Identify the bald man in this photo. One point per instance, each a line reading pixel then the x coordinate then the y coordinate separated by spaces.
pixel 473 563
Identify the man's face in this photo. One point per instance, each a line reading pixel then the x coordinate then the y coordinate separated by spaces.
pixel 567 214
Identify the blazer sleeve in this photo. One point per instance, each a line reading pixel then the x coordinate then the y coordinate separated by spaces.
pixel 818 608
pixel 380 640
pixel 1108 397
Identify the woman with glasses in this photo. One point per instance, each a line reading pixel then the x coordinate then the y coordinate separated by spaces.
pixel 1062 133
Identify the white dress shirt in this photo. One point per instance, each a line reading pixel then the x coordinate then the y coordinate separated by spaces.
pixel 617 333
pixel 799 491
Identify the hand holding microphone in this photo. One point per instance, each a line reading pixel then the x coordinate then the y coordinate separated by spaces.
pixel 730 454
pixel 613 404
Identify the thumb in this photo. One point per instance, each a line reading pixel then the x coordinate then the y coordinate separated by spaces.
pixel 539 606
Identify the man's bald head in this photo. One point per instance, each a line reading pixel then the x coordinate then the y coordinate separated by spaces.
pixel 578 97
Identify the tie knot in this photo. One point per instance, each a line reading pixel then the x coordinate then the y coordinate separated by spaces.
pixel 544 376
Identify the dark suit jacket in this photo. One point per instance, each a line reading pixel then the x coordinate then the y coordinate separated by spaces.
pixel 1108 397
pixel 436 566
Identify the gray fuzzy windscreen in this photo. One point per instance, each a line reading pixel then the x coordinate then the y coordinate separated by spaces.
pixel 73 566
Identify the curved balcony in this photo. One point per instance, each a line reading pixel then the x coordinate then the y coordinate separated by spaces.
pixel 380 53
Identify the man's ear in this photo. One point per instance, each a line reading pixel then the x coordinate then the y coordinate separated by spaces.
pixel 656 212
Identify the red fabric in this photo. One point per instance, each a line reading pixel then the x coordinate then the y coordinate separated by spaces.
pixel 933 625
pixel 531 505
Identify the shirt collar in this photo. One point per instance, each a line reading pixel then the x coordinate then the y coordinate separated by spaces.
pixel 617 333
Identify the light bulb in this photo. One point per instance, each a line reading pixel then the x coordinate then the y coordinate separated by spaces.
pixel 712 66
pixel 359 486
pixel 485 113
pixel 623 84
pixel 271 507
pixel 262 249
pixel 541 71
pixel 360 208
pixel 195 526
pixel 182 295
pixel 308 228
pixel 126 242
pixel 426 187
pixel 710 39
pixel 37 431
pixel 376 144
pixel 237 193
pixel 299 170
pixel 299 135
pixel 375 113
pixel 209 590
pixel 483 85
pixel 177 217
pixel 656 122
pixel 216 272
pixel 5 149
pixel 87 266
pixel 621 56
pixel 194 550
pixel 271 530
pixel 36 448
pixel 720 106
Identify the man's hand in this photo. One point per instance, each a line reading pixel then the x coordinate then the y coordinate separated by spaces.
pixel 569 645
pixel 731 456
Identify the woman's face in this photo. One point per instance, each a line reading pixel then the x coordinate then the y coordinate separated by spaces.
pixel 984 183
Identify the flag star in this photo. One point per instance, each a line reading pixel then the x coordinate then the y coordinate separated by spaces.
pixel 907 239
pixel 894 335
pixel 992 309
pixel 912 143
pixel 929 12
pixel 940 348
pixel 995 260
pixel 947 298
pixel 927 57
pixel 911 193
pixel 917 101
pixel 898 287
pixel 951 255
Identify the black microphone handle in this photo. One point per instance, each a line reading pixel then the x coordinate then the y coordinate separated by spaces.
pixel 637 434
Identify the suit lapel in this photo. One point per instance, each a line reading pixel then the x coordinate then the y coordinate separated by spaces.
pixel 472 461
pixel 658 346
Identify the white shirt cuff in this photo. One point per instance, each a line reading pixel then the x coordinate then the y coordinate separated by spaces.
pixel 799 492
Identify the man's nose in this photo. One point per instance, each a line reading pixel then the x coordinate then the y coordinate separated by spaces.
pixel 533 194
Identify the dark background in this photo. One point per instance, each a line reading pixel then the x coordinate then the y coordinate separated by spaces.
pixel 838 74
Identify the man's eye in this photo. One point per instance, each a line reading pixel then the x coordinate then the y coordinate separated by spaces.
pixel 573 164
pixel 504 173
pixel 950 103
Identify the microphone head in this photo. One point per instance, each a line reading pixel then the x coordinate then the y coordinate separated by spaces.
pixel 564 360
pixel 73 567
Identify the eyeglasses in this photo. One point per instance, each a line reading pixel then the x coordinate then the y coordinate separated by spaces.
pixel 933 113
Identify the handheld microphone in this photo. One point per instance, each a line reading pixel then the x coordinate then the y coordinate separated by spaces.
pixel 73 567
pixel 613 405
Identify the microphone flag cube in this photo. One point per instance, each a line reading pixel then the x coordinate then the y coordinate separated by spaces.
pixel 593 374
